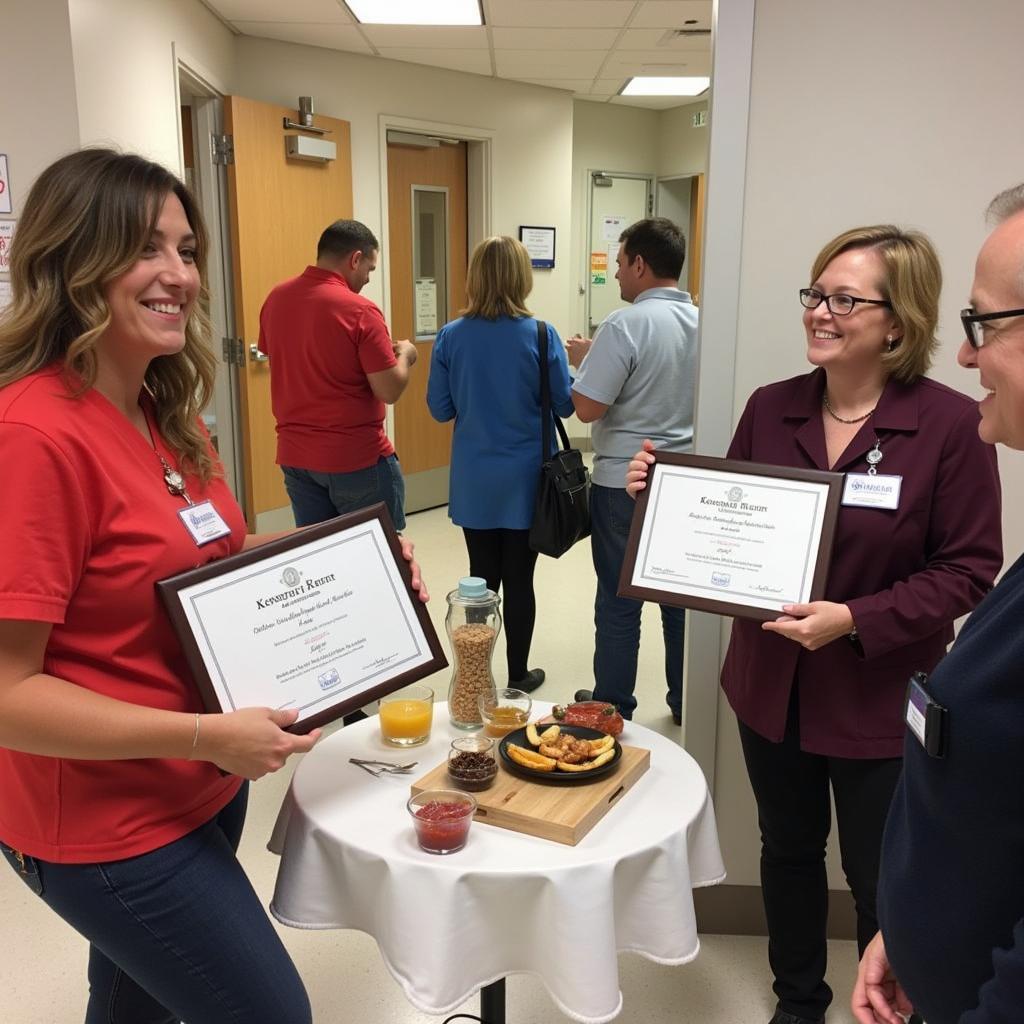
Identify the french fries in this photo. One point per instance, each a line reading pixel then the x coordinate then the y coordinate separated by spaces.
pixel 572 754
pixel 531 759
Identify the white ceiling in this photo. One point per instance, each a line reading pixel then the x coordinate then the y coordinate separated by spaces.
pixel 588 47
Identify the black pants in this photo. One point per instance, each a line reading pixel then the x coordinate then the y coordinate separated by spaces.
pixel 791 788
pixel 504 559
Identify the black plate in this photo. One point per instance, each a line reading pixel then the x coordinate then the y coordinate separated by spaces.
pixel 581 732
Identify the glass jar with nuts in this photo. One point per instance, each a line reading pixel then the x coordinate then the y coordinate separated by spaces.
pixel 473 623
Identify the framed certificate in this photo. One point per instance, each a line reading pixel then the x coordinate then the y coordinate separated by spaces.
pixel 323 620
pixel 730 537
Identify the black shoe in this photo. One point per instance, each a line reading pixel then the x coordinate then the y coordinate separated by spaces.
pixel 534 678
pixel 781 1017
pixel 581 695
pixel 677 717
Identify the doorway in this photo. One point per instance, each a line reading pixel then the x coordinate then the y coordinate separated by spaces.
pixel 681 200
pixel 428 240
pixel 615 202
pixel 201 118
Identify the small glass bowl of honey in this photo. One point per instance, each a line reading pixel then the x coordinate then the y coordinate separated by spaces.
pixel 504 711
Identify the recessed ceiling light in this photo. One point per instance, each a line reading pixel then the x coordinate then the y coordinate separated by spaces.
pixel 649 85
pixel 416 12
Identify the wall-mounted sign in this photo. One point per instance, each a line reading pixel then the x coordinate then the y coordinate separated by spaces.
pixel 612 227
pixel 6 203
pixel 598 267
pixel 6 237
pixel 426 306
pixel 540 244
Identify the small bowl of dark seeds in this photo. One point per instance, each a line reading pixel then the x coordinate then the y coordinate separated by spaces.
pixel 471 763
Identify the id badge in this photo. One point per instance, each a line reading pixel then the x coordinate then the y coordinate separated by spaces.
pixel 204 522
pixel 872 490
pixel 926 718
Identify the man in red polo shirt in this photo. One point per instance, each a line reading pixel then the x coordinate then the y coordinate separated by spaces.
pixel 333 369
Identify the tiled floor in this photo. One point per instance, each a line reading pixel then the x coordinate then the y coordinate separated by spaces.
pixel 42 967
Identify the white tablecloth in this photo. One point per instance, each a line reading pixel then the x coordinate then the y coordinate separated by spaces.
pixel 506 903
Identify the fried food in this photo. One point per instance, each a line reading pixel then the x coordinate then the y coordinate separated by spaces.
pixel 586 766
pixel 531 759
pixel 556 748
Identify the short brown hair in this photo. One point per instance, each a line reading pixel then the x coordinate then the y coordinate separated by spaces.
pixel 499 279
pixel 911 283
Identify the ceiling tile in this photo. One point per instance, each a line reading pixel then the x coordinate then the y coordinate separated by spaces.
pixel 323 11
pixel 576 85
pixel 332 37
pixel 651 39
pixel 672 14
pixel 548 64
pixel 476 62
pixel 444 37
pixel 553 38
pixel 558 13
pixel 656 62
pixel 608 86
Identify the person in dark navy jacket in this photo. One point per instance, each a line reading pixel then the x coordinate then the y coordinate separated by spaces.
pixel 819 691
pixel 951 895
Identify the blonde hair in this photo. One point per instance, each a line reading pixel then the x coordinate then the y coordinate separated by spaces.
pixel 499 279
pixel 87 220
pixel 911 283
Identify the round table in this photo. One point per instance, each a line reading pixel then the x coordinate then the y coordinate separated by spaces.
pixel 448 926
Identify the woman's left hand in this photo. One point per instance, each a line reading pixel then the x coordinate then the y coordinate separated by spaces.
pixel 417 582
pixel 814 624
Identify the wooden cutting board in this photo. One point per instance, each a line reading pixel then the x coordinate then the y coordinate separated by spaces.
pixel 561 813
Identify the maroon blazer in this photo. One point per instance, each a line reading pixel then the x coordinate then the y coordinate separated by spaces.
pixel 905 574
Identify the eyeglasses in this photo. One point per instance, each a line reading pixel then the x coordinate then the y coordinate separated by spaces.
pixel 838 304
pixel 974 323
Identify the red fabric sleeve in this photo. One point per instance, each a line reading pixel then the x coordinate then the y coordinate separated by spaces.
pixel 373 342
pixel 45 526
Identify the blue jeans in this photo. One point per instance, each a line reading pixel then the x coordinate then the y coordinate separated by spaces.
pixel 317 497
pixel 617 619
pixel 176 934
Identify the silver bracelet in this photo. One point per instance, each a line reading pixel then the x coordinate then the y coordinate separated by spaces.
pixel 195 739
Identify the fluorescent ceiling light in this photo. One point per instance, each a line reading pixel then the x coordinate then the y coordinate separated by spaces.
pixel 656 86
pixel 416 12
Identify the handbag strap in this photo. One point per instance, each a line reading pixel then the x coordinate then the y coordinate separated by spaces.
pixel 546 415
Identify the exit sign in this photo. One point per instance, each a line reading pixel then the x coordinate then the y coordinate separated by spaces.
pixel 700 119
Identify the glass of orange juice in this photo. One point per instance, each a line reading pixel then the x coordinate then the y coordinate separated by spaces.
pixel 406 716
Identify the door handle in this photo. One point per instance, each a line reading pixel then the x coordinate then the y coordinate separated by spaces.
pixel 257 356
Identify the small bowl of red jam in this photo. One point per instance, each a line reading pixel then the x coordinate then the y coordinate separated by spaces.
pixel 441 818
pixel 471 763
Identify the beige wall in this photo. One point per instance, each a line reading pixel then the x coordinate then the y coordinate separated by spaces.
pixel 125 72
pixel 912 116
pixel 38 111
pixel 682 149
pixel 531 156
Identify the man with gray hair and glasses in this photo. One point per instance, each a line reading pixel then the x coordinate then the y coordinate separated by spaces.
pixel 951 892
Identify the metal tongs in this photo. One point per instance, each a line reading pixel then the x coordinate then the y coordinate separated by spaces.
pixel 378 768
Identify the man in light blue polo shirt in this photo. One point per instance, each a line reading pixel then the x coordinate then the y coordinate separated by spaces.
pixel 635 381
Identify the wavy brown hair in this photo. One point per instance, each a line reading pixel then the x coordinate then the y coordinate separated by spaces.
pixel 86 221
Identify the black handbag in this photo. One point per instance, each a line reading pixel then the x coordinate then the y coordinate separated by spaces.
pixel 561 513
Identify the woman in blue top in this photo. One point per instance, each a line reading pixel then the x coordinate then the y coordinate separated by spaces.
pixel 485 374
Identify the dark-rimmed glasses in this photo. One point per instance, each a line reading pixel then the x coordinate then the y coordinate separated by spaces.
pixel 839 304
pixel 974 323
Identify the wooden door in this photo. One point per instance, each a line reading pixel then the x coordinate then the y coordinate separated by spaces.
pixel 278 209
pixel 696 239
pixel 423 445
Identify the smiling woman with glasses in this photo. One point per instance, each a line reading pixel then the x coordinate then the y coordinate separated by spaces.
pixel 819 691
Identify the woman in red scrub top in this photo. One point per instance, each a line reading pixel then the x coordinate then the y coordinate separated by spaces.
pixel 121 803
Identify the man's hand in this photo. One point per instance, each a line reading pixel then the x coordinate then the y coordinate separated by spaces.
pixel 812 625
pixel 577 347
pixel 405 349
pixel 878 998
